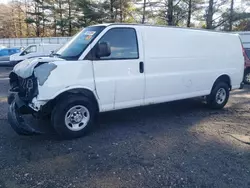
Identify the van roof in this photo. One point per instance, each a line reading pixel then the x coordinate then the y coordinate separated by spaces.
pixel 165 26
pixel 243 32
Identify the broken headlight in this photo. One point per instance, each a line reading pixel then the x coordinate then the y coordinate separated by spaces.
pixel 25 87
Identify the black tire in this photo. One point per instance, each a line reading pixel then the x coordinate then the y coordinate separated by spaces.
pixel 246 77
pixel 212 99
pixel 11 98
pixel 62 107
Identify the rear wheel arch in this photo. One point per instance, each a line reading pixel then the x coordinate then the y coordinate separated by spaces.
pixel 223 78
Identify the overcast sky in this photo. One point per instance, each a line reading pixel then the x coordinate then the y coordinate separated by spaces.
pixel 4 1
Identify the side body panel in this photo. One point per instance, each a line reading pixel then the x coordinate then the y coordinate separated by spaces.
pixel 183 63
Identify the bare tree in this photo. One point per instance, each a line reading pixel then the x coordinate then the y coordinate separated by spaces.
pixel 170 11
pixel 70 17
pixel 144 12
pixel 112 10
pixel 189 13
pixel 231 15
pixel 7 22
pixel 121 11
pixel 210 13
pixel 26 5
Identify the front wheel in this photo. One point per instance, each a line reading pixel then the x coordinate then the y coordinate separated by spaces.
pixel 219 96
pixel 73 116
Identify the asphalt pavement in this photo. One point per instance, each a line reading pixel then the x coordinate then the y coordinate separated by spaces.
pixel 177 144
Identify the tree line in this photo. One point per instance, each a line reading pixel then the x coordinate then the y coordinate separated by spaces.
pixel 40 18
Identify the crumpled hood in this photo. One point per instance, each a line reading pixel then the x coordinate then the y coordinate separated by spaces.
pixel 25 68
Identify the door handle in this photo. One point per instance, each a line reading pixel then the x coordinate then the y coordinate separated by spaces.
pixel 141 67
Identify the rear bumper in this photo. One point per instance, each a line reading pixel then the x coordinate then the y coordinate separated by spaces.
pixel 16 109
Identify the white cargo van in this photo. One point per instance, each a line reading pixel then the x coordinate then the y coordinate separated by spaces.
pixel 34 50
pixel 115 66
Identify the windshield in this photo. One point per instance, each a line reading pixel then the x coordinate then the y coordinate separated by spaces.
pixel 73 49
pixel 247 50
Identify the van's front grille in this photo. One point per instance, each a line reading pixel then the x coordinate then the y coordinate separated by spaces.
pixel 25 87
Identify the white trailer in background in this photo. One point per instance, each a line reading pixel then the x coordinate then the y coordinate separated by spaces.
pixel 34 50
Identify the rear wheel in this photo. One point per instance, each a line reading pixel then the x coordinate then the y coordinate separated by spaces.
pixel 73 116
pixel 247 77
pixel 219 96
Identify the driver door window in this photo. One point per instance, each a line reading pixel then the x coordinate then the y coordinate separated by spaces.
pixel 123 44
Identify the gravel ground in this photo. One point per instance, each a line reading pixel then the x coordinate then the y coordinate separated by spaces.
pixel 178 144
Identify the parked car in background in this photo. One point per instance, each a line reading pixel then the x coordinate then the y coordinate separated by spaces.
pixel 247 64
pixel 5 54
pixel 9 51
pixel 245 40
pixel 115 66
pixel 34 50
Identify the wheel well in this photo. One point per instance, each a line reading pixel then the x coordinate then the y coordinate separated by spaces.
pixel 223 78
pixel 46 109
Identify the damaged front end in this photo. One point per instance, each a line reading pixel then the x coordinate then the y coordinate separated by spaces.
pixel 24 81
pixel 16 120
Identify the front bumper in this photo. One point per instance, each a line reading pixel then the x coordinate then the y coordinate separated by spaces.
pixel 16 109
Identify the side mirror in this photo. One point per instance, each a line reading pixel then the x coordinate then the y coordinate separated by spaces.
pixel 103 50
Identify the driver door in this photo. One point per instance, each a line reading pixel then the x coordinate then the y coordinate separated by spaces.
pixel 119 78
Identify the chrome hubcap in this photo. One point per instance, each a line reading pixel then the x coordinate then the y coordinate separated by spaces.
pixel 221 96
pixel 77 118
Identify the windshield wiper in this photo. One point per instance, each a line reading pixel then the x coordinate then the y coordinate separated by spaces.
pixel 55 54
